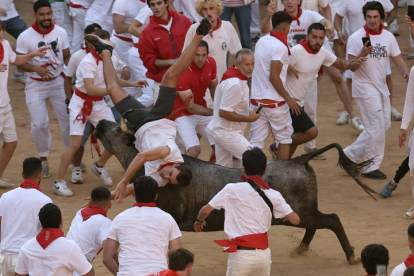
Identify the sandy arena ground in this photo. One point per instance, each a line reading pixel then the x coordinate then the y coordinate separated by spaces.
pixel 365 220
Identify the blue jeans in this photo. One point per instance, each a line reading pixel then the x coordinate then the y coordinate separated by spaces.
pixel 15 26
pixel 244 20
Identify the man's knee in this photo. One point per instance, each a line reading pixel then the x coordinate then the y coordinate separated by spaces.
pixel 312 133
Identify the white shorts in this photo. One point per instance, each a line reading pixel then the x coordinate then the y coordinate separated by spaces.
pixel 7 125
pixel 8 265
pixel 249 262
pixel 189 126
pixel 272 120
pixel 121 48
pixel 100 111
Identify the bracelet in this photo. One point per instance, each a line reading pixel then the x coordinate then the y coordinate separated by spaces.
pixel 351 64
pixel 339 33
pixel 201 221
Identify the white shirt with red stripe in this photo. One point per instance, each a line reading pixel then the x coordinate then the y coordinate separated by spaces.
pixel 154 134
pixel 144 234
pixel 19 212
pixel 9 56
pixel 129 9
pixel 62 257
pixel 246 212
pixel 84 3
pixel 31 40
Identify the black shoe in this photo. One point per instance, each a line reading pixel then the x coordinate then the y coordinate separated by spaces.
pixel 100 44
pixel 377 174
pixel 205 27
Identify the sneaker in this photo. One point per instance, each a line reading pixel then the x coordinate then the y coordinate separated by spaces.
pixel 395 115
pixel 255 39
pixel 273 150
pixel 411 56
pixel 45 169
pixel 205 27
pixel 19 77
pixel 77 175
pixel 389 188
pixel 409 213
pixel 82 165
pixel 343 118
pixel 356 123
pixel 318 157
pixel 103 174
pixel 394 29
pixel 377 174
pixel 99 43
pixel 60 188
pixel 5 183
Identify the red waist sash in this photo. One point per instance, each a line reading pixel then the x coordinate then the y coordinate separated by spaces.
pixel 124 38
pixel 86 110
pixel 258 241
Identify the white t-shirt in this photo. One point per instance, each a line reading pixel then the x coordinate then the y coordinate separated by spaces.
pixel 9 7
pixel 399 270
pixel 188 8
pixel 30 40
pixel 370 78
pixel 225 40
pixel 352 9
pixel 89 234
pixel 308 66
pixel 298 32
pixel 19 211
pixel 60 258
pixel 312 5
pixel 154 134
pixel 142 17
pixel 231 95
pixel 100 11
pixel 74 62
pixel 409 102
pixel 246 212
pixel 9 57
pixel 268 49
pixel 84 3
pixel 144 234
pixel 129 9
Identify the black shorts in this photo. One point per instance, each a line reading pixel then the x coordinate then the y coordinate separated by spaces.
pixel 142 114
pixel 301 122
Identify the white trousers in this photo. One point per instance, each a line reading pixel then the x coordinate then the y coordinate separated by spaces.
pixel 189 126
pixel 62 18
pixel 8 265
pixel 375 111
pixel 122 48
pixel 7 125
pixel 249 263
pixel 37 92
pixel 78 16
pixel 311 102
pixel 229 144
pixel 255 25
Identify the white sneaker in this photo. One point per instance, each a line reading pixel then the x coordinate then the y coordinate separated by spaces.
pixel 103 174
pixel 82 165
pixel 18 78
pixel 394 29
pixel 77 175
pixel 395 115
pixel 5 183
pixel 45 169
pixel 343 118
pixel 409 213
pixel 60 188
pixel 356 123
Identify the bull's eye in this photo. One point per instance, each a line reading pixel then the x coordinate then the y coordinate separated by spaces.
pixel 118 129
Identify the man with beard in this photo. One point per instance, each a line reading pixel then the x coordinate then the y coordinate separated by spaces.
pixel 45 79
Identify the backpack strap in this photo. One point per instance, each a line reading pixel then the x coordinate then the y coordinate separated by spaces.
pixel 262 194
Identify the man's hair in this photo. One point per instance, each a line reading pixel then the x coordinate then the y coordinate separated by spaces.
pixel 371 6
pixel 280 17
pixel 254 161
pixel 41 4
pixel 204 43
pixel 179 259
pixel 373 255
pixel 100 196
pixel 50 216
pixel 2 26
pixel 149 1
pixel 316 26
pixel 409 271
pixel 145 189
pixel 32 167
pixel 102 34
pixel 91 28
pixel 241 52
pixel 216 3
pixel 184 176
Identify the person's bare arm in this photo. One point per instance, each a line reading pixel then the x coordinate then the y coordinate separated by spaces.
pixel 92 90
pixel 68 87
pixel 401 66
pixel 236 117
pixel 17 274
pixel 391 16
pixel 292 218
pixel 328 27
pixel 202 215
pixel 352 65
pixel 174 244
pixel 119 24
pixel 42 72
pixel 90 273
pixel 338 27
pixel 193 107
pixel 66 56
pixel 138 83
pixel 327 13
pixel 266 25
pixel 134 28
pixel 162 63
pixel 212 87
pixel 109 250
pixel 21 59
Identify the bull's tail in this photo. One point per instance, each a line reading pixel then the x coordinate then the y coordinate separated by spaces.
pixel 352 168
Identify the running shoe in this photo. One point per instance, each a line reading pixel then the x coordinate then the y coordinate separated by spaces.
pixel 356 123
pixel 377 174
pixel 77 175
pixel 5 183
pixel 389 188
pixel 60 188
pixel 102 173
pixel 409 213
pixel 45 169
pixel 343 118
pixel 395 115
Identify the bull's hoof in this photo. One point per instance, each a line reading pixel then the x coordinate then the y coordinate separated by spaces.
pixel 351 258
pixel 300 250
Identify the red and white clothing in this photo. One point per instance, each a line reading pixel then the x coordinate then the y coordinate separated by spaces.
pixel 312 5
pixel 232 95
pixel 77 9
pixel 147 253
pixel 100 11
pixel 196 80
pixel 399 269
pixel 299 27
pixel 167 272
pixel 60 257
pixel 188 8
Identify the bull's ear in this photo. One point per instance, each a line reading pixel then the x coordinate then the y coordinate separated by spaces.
pixel 129 140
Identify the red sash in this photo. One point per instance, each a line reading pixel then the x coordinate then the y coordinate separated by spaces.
pixel 282 37
pixel 216 27
pixel 30 184
pixel 371 32
pixel 233 72
pixel 409 261
pixel 296 18
pixel 48 235
pixel 96 56
pixel 166 165
pixel 141 204
pixel 124 38
pixel 167 272
pixel 1 52
pixel 37 29
pixel 75 6
pixel 259 241
pixel 87 108
pixel 91 211
pixel 258 179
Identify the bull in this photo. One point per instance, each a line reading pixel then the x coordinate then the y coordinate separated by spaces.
pixel 294 179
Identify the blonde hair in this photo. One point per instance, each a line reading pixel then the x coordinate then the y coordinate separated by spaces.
pixel 216 3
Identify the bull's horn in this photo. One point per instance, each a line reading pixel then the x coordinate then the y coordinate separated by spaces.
pixel 125 128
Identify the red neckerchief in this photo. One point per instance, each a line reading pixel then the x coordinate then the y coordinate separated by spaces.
pixel 30 184
pixel 91 211
pixel 166 165
pixel 48 235
pixel 216 27
pixel 86 49
pixel 253 241
pixel 371 32
pixel 233 72
pixel 1 52
pixel 305 45
pixel 409 261
pixel 141 204
pixel 160 21
pixel 96 56
pixel 282 37
pixel 258 179
pixel 37 29
pixel 167 272
pixel 296 18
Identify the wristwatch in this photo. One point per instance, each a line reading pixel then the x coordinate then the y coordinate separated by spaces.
pixel 67 101
pixel 385 25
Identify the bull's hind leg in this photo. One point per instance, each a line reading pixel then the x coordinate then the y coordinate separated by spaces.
pixel 304 244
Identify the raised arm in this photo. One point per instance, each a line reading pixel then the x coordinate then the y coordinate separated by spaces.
pixel 266 25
